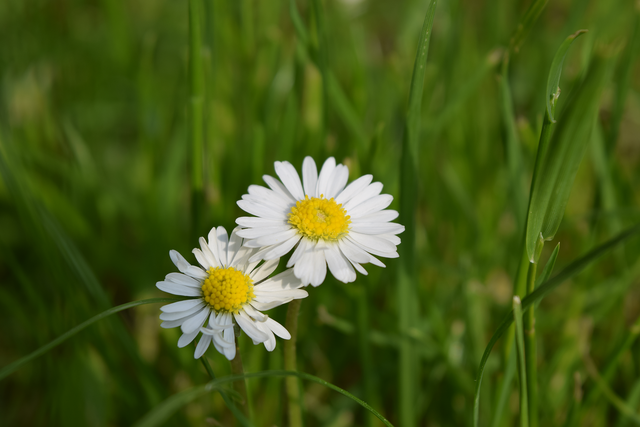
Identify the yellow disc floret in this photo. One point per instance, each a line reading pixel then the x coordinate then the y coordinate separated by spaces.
pixel 227 289
pixel 320 218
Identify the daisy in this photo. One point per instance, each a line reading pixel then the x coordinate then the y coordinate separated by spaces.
pixel 229 289
pixel 327 223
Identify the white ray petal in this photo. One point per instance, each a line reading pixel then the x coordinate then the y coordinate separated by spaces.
pixel 309 176
pixel 354 188
pixel 365 194
pixel 339 265
pixel 290 179
pixel 374 204
pixel 325 177
pixel 176 289
pixel 202 346
pixel 264 270
pixel 181 305
pixel 337 182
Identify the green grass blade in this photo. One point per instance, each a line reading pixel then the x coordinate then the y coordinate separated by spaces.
pixel 39 352
pixel 548 267
pixel 164 410
pixel 571 270
pixel 522 371
pixel 556 70
pixel 196 112
pixel 526 23
pixel 566 153
pixel 542 181
pixel 407 273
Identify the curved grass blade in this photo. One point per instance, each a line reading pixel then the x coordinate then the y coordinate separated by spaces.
pixel 39 352
pixel 227 400
pixel 172 404
pixel 556 70
pixel 571 270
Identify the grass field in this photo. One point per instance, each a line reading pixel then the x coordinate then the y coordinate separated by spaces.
pixel 130 128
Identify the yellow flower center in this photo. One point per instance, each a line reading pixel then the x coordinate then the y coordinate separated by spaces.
pixel 227 289
pixel 320 218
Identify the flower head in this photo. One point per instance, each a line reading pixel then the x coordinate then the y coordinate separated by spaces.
pixel 327 223
pixel 229 289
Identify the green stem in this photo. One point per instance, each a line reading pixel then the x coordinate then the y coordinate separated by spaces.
pixel 292 383
pixel 362 306
pixel 236 412
pixel 240 386
pixel 530 352
pixel 196 111
pixel 524 408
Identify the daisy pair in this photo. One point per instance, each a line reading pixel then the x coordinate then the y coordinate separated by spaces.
pixel 227 288
pixel 328 222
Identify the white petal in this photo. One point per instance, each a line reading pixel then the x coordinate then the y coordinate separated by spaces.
pixel 204 262
pixel 251 221
pixel 208 253
pixel 257 256
pixel 178 260
pixel 356 254
pixel 241 259
pixel 264 270
pixel 253 233
pixel 391 238
pixel 290 179
pixel 187 339
pixel 311 268
pixel 370 191
pixel 278 329
pixel 213 244
pixel 280 282
pixel 176 323
pixel 354 188
pixel 222 239
pixel 277 251
pixel 229 336
pixel 183 279
pixel 370 206
pixel 278 187
pixel 202 346
pixel 235 242
pixel 269 197
pixel 254 314
pixel 196 272
pixel 260 210
pixel 248 326
pixel 325 176
pixel 382 216
pixel 309 176
pixel 176 289
pixel 270 343
pixel 339 265
pixel 358 267
pixel 181 305
pixel 196 322
pixel 338 180
pixel 373 244
pixel 272 239
pixel 377 227
pixel 279 297
pixel 182 314
pixel 304 246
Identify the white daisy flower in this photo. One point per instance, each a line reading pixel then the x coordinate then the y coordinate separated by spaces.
pixel 342 227
pixel 229 289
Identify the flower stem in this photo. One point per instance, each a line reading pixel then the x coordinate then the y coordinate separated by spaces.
pixel 236 412
pixel 530 351
pixel 240 386
pixel 292 383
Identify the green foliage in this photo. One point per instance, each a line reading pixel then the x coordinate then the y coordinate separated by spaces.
pixel 104 125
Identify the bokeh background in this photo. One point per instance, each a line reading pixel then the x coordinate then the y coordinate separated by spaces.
pixel 95 190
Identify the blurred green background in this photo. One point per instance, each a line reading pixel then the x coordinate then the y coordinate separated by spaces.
pixel 95 190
